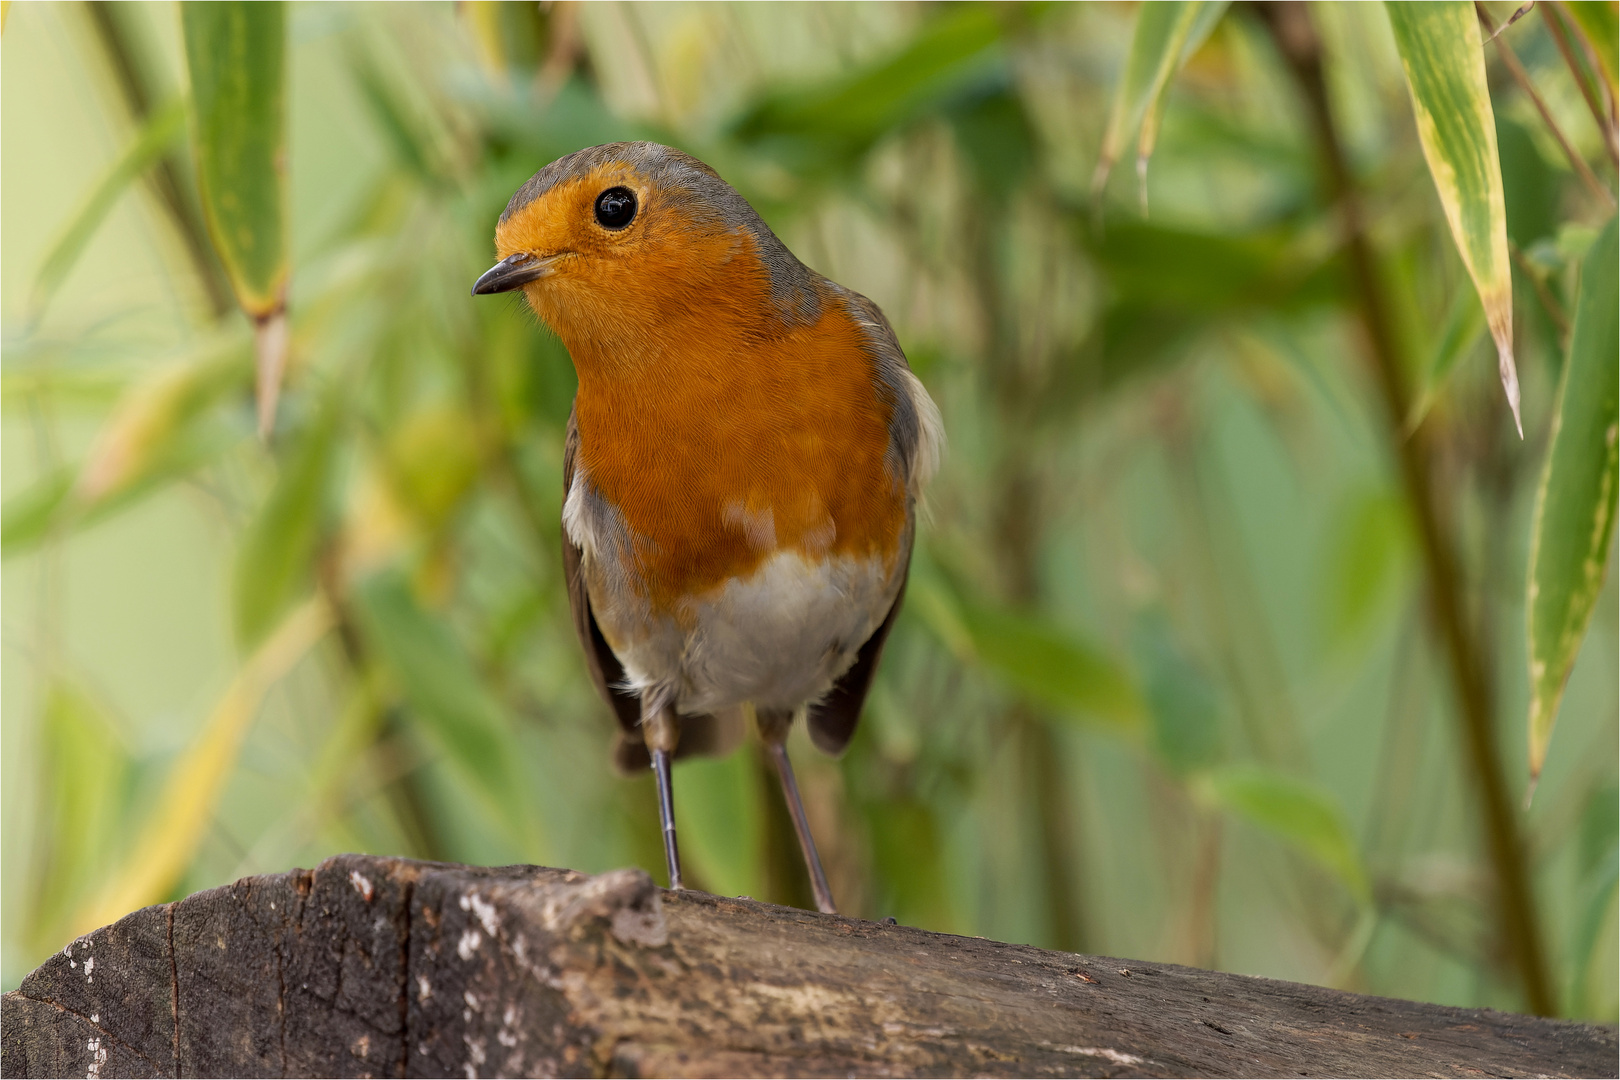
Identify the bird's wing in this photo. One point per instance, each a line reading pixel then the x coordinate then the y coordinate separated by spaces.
pixel 832 719
pixel 606 671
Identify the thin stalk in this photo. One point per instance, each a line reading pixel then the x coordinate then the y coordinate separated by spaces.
pixel 1592 61
pixel 165 175
pixel 1522 77
pixel 1549 302
pixel 1555 26
pixel 1296 39
pixel 1016 517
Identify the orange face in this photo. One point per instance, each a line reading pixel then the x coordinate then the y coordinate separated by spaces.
pixel 719 429
pixel 618 290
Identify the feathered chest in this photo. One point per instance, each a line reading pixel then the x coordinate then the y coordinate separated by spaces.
pixel 714 456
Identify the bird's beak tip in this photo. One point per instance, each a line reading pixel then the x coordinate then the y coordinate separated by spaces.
pixel 512 272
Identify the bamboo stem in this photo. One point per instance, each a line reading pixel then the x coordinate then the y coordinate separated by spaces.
pixel 1555 26
pixel 165 176
pixel 1522 77
pixel 1296 39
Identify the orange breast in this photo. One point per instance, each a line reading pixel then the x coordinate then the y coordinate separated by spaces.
pixel 721 439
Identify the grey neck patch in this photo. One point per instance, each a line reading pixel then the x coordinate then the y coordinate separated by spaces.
pixel 796 290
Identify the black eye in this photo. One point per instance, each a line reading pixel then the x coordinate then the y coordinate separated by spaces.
pixel 616 207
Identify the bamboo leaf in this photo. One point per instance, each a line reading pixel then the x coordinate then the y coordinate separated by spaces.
pixel 1165 34
pixel 1465 323
pixel 149 143
pixel 279 546
pixel 1575 504
pixel 839 121
pixel 162 428
pixel 235 54
pixel 86 767
pixel 1441 53
pixel 1298 813
pixel 1208 13
pixel 30 514
pixel 1600 26
pixel 170 834
pixel 1034 658
pixel 446 695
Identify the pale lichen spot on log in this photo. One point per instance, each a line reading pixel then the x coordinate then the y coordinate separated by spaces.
pixel 362 885
pixel 483 909
pixel 98 1058
pixel 1118 1057
pixel 470 940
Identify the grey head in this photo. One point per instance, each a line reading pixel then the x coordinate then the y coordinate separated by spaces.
pixel 794 287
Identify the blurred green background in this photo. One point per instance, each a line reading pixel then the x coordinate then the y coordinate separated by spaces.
pixel 1164 686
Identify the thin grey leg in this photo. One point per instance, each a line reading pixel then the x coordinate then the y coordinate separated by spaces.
pixel 661 729
pixel 773 728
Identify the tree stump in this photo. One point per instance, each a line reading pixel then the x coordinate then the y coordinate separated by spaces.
pixel 388 967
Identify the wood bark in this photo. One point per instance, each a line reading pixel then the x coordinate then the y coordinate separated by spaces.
pixel 387 967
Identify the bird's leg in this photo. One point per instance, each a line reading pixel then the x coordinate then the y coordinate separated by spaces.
pixel 661 729
pixel 773 729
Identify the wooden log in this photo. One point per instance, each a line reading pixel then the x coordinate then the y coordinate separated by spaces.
pixel 387 967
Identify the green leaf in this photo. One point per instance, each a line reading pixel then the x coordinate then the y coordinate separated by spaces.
pixel 278 548
pixel 30 514
pixel 235 54
pixel 149 143
pixel 446 695
pixel 1165 34
pixel 1053 667
pixel 1465 323
pixel 86 768
pixel 1034 658
pixel 1367 551
pixel 839 121
pixel 1203 272
pixel 1599 24
pixel 1442 55
pixel 1184 704
pixel 1296 812
pixel 1575 504
pixel 164 427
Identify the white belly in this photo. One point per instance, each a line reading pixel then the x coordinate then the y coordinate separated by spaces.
pixel 778 638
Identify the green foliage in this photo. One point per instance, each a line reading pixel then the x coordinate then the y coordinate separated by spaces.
pixel 1445 71
pixel 446 696
pixel 1575 504
pixel 234 52
pixel 279 547
pixel 1297 813
pixel 1169 479
pixel 151 143
pixel 1165 35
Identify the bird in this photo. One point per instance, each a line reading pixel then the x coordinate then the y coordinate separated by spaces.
pixel 742 467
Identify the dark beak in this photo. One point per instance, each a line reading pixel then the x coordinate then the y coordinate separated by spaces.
pixel 512 272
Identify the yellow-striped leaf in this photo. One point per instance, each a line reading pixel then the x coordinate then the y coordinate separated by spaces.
pixel 235 53
pixel 170 834
pixel 1440 50
pixel 1575 506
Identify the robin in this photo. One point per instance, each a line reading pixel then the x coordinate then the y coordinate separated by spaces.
pixel 742 465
